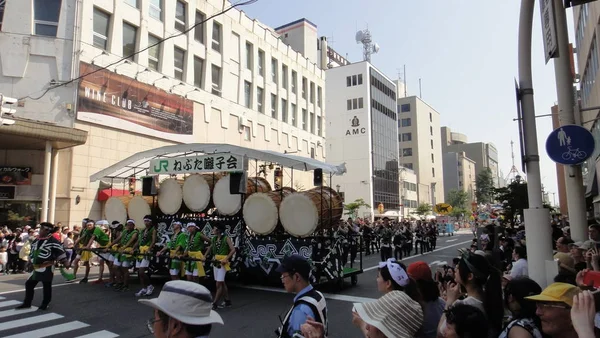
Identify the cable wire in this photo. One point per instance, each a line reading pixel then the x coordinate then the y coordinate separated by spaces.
pixel 244 3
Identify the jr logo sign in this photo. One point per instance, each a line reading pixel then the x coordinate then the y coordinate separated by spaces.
pixel 161 166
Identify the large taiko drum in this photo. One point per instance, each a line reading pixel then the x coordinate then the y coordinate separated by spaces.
pixel 138 207
pixel 261 210
pixel 230 204
pixel 115 209
pixel 170 196
pixel 121 208
pixel 303 213
pixel 197 190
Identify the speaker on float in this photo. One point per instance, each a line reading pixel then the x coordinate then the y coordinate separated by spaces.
pixel 237 183
pixel 318 177
pixel 150 185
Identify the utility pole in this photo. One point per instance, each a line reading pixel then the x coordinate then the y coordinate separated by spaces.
pixel 566 116
pixel 537 218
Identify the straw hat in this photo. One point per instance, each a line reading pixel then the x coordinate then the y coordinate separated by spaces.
pixel 395 314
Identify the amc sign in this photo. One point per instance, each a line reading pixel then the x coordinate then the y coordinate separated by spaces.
pixel 356 129
pixel 7 192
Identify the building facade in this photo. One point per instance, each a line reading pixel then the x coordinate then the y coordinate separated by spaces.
pixel 134 75
pixel 362 132
pixel 459 174
pixel 420 146
pixel 408 192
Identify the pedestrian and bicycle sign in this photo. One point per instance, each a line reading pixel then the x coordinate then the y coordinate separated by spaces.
pixel 570 145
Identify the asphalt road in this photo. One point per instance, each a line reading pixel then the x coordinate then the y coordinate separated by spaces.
pixel 93 311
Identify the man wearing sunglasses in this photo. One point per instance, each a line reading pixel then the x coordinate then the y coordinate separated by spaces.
pixel 554 309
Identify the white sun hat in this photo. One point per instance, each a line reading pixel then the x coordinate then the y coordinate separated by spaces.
pixel 187 302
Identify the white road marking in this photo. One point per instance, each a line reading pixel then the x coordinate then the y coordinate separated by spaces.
pixel 28 321
pixel 438 263
pixel 8 313
pixel 100 334
pixel 2 297
pixel 452 240
pixel 343 298
pixel 413 256
pixel 9 303
pixel 51 330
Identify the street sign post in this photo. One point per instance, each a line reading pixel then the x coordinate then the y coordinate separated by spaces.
pixel 570 145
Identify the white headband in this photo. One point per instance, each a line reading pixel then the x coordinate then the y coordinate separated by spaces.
pixel 396 271
pixel 89 222
pixel 147 219
pixel 176 222
pixel 131 221
pixel 192 224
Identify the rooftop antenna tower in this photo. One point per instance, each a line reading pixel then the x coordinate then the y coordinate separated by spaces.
pixel 514 172
pixel 369 47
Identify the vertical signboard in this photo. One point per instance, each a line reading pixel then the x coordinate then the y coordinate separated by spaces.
pixel 549 29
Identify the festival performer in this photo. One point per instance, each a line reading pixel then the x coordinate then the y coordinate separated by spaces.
pixel 115 231
pixel 45 251
pixel 103 258
pixel 193 249
pixel 88 235
pixel 124 258
pixel 146 242
pixel 176 245
pixel 222 250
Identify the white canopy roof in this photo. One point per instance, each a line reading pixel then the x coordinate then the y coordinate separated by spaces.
pixel 137 164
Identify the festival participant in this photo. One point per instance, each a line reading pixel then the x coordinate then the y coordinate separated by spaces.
pixel 103 259
pixel 124 260
pixel 116 228
pixel 146 242
pixel 222 250
pixel 176 245
pixel 193 249
pixel 45 251
pixel 88 235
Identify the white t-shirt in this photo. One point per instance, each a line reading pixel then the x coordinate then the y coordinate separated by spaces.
pixel 519 269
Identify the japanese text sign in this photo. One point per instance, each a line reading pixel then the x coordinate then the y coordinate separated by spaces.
pixel 197 164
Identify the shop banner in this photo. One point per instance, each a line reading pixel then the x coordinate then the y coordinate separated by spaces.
pixel 120 102
pixel 7 192
pixel 15 175
pixel 196 164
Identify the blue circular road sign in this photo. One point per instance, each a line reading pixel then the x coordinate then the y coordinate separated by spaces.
pixel 570 145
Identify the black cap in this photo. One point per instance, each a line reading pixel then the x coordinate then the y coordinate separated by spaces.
pixel 295 264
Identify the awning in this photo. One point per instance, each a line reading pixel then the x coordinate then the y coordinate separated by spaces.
pixel 137 164
pixel 105 194
pixel 31 134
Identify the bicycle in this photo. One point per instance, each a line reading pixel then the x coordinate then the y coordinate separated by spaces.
pixel 574 154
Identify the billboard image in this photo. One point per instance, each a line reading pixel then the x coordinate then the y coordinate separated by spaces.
pixel 120 102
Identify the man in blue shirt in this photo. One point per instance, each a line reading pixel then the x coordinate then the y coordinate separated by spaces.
pixel 295 275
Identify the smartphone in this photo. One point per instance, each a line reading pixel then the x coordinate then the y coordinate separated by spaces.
pixel 592 278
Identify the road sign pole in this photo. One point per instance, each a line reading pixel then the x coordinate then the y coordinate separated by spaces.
pixel 537 218
pixel 566 116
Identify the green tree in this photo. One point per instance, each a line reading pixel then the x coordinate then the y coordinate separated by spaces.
pixel 352 208
pixel 485 186
pixel 514 199
pixel 423 209
pixel 458 199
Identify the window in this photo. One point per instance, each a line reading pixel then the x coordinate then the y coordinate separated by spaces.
pixel 274 70
pixel 431 130
pixel 1 16
pixel 179 61
pixel 348 81
pixel 312 123
pixel 304 85
pixel 284 111
pixel 320 96
pixel 319 126
pixel 199 29
pixel 405 108
pixel 431 143
pixel 405 122
pixel 153 52
pixel 216 80
pixel 430 117
pixel 294 81
pixel 284 76
pixel 349 104
pixel 408 165
pixel 180 16
pixel 247 94
pixel 259 99
pixel 274 106
pixel 304 119
pixel 198 71
pixel 312 152
pixel 216 36
pixel 360 80
pixel 591 70
pixel 155 9
pixel 406 137
pixel 249 58
pixel 357 103
pixel 432 172
pixel 432 159
pixel 129 40
pixel 407 152
pixel 294 115
pixel 46 15
pixel 261 62
pixel 101 20
pixel 354 80
pixel 246 133
pixel 132 3
pixel 312 92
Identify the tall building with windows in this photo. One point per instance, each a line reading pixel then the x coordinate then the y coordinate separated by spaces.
pixel 459 174
pixel 420 146
pixel 102 80
pixel 362 131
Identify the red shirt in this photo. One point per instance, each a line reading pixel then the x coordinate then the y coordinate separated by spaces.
pixel 56 235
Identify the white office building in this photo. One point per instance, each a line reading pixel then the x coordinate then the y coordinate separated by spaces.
pixel 408 192
pixel 420 147
pixel 229 80
pixel 362 131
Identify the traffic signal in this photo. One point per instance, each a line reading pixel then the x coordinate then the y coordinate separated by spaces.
pixel 7 112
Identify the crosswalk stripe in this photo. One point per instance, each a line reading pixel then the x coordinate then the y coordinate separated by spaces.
pixel 2 297
pixel 12 312
pixel 51 330
pixel 100 334
pixel 28 321
pixel 9 303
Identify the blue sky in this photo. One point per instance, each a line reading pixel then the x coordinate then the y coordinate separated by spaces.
pixel 465 52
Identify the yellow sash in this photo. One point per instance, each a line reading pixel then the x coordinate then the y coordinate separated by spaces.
pixel 126 254
pixel 86 255
pixel 199 264
pixel 219 258
pixel 143 250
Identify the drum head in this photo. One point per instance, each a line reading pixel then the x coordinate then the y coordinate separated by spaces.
pixel 115 210
pixel 196 193
pixel 138 208
pixel 261 214
pixel 170 196
pixel 298 215
pixel 227 204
